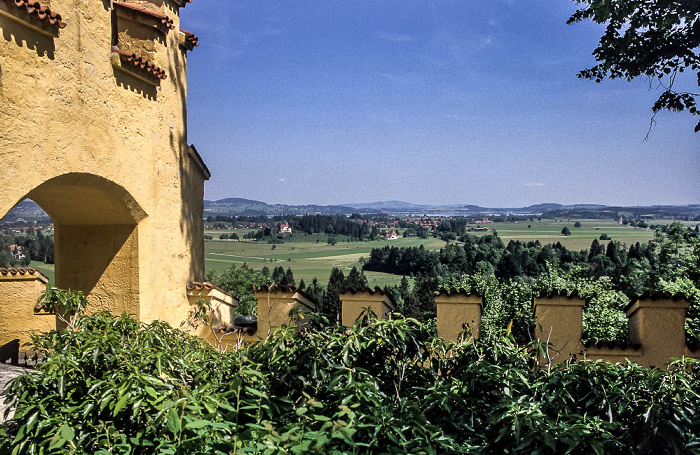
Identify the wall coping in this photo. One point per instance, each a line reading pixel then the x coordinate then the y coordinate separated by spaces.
pixel 461 298
pixel 559 300
pixel 22 274
pixel 656 303
pixel 211 291
pixel 363 293
pixel 288 292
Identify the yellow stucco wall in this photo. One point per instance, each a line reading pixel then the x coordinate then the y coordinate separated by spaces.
pixel 659 325
pixel 354 303
pixel 221 313
pixel 275 304
pixel 455 310
pixel 104 152
pixel 20 292
pixel 559 323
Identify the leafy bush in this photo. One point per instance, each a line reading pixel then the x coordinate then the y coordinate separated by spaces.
pixel 120 387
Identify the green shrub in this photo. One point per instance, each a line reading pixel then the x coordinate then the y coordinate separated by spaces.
pixel 116 386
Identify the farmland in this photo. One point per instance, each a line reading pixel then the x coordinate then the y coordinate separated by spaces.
pixel 310 256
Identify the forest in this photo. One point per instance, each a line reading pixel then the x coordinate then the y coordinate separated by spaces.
pixel 34 245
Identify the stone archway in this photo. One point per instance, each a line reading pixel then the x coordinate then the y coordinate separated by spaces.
pixel 95 239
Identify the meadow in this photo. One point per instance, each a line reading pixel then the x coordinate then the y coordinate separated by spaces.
pixel 310 256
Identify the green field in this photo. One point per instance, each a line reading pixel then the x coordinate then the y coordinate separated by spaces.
pixel 549 231
pixel 310 256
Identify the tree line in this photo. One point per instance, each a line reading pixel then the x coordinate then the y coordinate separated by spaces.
pixel 34 245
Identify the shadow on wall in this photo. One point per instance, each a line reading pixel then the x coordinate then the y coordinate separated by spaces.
pixel 96 238
pixel 191 185
pixel 134 84
pixel 15 32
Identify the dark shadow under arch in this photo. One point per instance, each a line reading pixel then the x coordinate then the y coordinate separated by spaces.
pixel 96 245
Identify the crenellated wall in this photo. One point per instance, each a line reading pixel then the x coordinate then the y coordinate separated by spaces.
pixel 657 324
pixel 21 289
pixel 657 328
pixel 355 301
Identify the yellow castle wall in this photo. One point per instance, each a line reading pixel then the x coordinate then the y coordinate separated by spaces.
pixel 105 154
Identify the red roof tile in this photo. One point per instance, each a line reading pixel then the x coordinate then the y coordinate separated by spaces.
pixel 4 271
pixel 34 9
pixel 454 291
pixel 204 285
pixel 190 38
pixel 141 63
pixel 163 20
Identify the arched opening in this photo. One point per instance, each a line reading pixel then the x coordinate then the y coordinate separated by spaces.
pixel 26 238
pixel 95 233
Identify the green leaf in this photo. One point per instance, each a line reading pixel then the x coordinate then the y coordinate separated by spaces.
pixel 67 432
pixel 173 422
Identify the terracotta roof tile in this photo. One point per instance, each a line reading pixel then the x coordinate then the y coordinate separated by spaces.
pixel 162 19
pixel 660 295
pixel 20 271
pixel 198 286
pixel 191 39
pixel 558 293
pixel 454 291
pixel 141 63
pixel 376 290
pixel 655 295
pixel 34 9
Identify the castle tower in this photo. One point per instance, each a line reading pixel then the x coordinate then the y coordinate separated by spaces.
pixel 93 127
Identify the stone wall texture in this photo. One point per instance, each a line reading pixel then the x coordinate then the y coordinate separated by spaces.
pixel 101 145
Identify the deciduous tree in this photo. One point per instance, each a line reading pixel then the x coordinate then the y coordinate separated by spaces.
pixel 655 39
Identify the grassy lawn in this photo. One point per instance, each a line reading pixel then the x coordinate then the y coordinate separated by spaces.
pixel 549 231
pixel 310 256
pixel 46 269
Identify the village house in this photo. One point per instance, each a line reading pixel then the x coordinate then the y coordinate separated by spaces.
pixel 16 252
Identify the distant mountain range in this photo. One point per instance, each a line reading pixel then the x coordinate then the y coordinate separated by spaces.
pixel 28 209
pixel 238 206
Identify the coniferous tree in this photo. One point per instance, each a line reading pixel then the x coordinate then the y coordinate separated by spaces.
pixel 278 275
pixel 331 299
pixel 289 278
pixel 316 292
pixel 356 279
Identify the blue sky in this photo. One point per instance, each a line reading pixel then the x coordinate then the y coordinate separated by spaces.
pixel 433 102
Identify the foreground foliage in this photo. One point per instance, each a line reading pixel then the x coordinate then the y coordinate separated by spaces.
pixel 115 386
